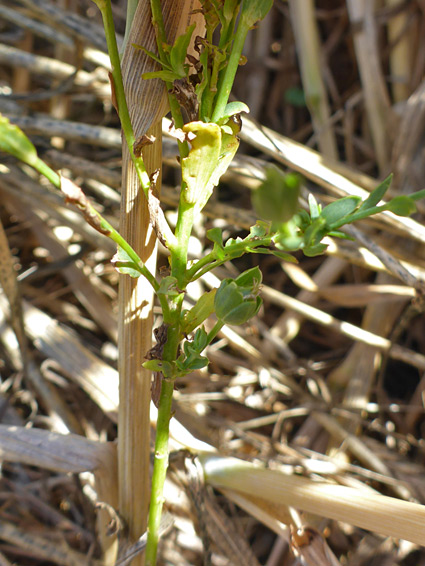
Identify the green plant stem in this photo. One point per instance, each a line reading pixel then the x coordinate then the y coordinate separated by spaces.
pixel 161 440
pixel 158 24
pixel 108 23
pixel 229 76
pixel 105 226
pixel 183 231
pixel 210 261
pixel 138 263
pixel 47 172
pixel 214 331
pixel 131 10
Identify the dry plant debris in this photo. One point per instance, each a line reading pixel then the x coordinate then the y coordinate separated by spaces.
pixel 326 386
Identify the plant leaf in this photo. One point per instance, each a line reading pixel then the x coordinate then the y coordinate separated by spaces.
pixel 198 167
pixel 313 251
pixel 315 208
pixel 231 109
pixel 377 194
pixel 340 208
pixel 124 264
pixel 284 256
pixel 276 199
pixel 401 205
pixel 215 235
pixel 179 50
pixel 199 313
pixel 16 143
pixel 167 76
pixel 254 10
pixel 168 287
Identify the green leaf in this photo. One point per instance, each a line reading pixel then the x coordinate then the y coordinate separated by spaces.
pixel 249 281
pixel 229 146
pixel 150 54
pixel 276 199
pixel 179 50
pixel 229 9
pixel 284 256
pixel 153 365
pixel 254 10
pixel 377 194
pixel 16 143
pixel 315 208
pixel 199 313
pixel 259 230
pixel 313 251
pixel 124 264
pixel 215 235
pixel 340 208
pixel 197 363
pixel 211 153
pixel 198 167
pixel 167 76
pixel 236 301
pixel 288 238
pixel 168 287
pixel 401 205
pixel 315 232
pixel 231 109
pixel 341 235
pixel 200 340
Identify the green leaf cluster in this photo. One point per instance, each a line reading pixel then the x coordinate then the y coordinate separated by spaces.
pixel 173 64
pixel 237 300
pixel 292 228
pixel 191 359
pixel 205 72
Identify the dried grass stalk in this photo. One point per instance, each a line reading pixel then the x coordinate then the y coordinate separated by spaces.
pixel 384 515
pixel 147 102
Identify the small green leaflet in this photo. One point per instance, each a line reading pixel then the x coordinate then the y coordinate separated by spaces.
pixel 124 264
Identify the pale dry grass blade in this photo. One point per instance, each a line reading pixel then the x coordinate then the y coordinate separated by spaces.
pixel 347 329
pixel 45 201
pixel 378 513
pixel 10 287
pixel 288 324
pixel 40 547
pixel 309 54
pixel 377 104
pixel 93 375
pixel 360 295
pixel 274 515
pixel 57 452
pixel 359 367
pixel 73 131
pixel 362 257
pixel 89 296
pixel 400 55
pixel 407 157
pixel 65 454
pixel 46 66
pixel 75 25
pixel 357 448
